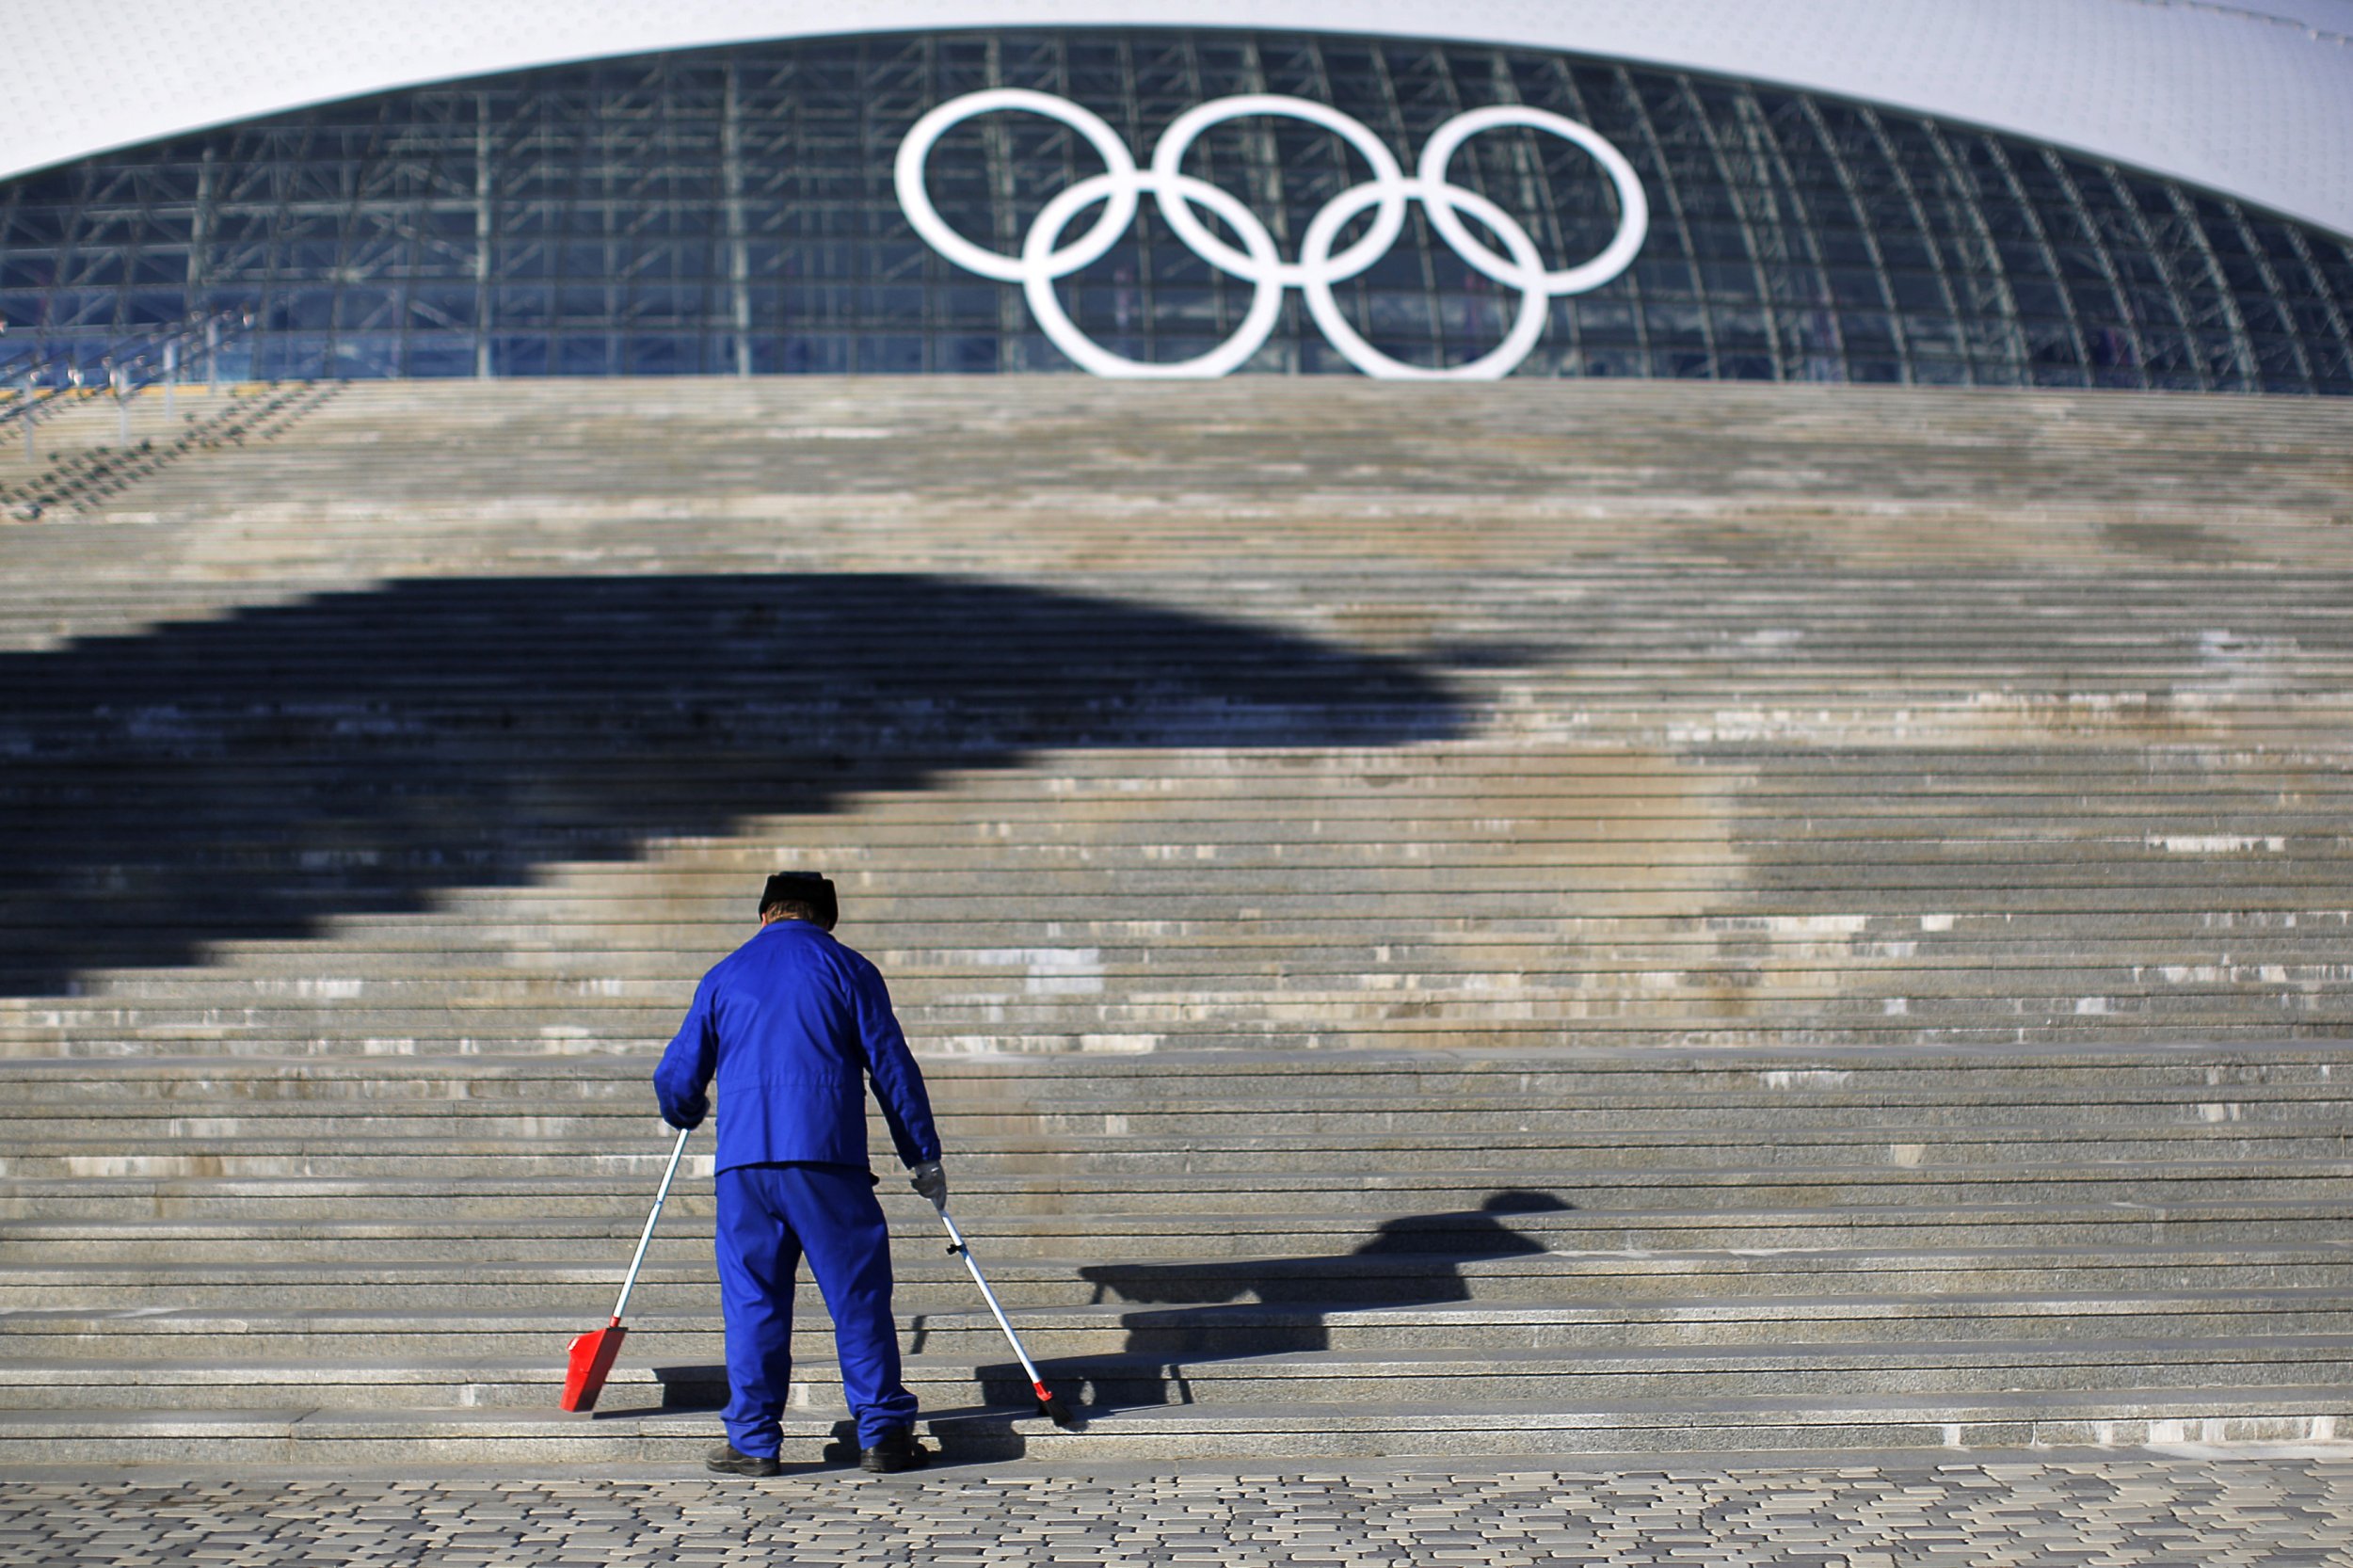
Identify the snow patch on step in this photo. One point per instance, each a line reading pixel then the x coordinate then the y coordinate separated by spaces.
pixel 1817 1078
pixel 2217 844
pixel 2250 1436
pixel 1049 971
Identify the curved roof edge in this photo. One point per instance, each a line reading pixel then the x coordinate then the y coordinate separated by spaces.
pixel 2249 97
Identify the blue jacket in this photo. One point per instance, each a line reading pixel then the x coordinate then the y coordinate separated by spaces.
pixel 791 1024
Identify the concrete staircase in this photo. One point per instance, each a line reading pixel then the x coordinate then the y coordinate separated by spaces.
pixel 1522 920
pixel 1337 1254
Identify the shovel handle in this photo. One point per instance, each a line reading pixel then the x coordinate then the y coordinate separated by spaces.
pixel 645 1239
pixel 964 1252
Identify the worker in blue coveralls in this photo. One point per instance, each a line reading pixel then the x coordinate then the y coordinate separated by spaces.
pixel 791 1024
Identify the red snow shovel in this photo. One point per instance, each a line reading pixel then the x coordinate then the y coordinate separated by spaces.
pixel 593 1352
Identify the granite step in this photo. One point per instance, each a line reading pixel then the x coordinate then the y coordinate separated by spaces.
pixel 301 1433
pixel 1200 1168
pixel 1117 1380
pixel 1924 1072
pixel 1902 1266
pixel 1236 1328
pixel 1159 1265
pixel 1904 1179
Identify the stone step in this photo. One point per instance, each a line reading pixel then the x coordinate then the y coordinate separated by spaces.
pixel 1913 1072
pixel 1169 989
pixel 1146 1257
pixel 1442 941
pixel 1225 1329
pixel 1498 768
pixel 1903 1266
pixel 1633 1023
pixel 1145 1114
pixel 300 1432
pixel 1178 849
pixel 1121 1130
pixel 1174 1104
pixel 180 1225
pixel 1904 1176
pixel 1679 638
pixel 1363 909
pixel 1173 1166
pixel 168 1220
pixel 1604 1021
pixel 1050 846
pixel 1613 1078
pixel 1642 628
pixel 2028 923
pixel 1577 1379
pixel 1228 978
pixel 1668 1000
pixel 1501 875
pixel 947 1018
pixel 1323 1182
pixel 1496 774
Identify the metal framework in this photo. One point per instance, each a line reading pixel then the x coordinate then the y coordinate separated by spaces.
pixel 731 212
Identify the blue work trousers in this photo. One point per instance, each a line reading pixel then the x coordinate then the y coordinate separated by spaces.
pixel 769 1217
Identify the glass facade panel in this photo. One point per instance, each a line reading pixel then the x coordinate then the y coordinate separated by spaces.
pixel 732 211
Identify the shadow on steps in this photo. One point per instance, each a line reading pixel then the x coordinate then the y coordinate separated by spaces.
pixel 1412 1261
pixel 353 752
pixel 1217 1305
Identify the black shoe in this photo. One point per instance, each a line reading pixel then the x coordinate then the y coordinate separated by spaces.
pixel 725 1460
pixel 898 1451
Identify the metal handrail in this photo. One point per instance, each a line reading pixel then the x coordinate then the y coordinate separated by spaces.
pixel 128 367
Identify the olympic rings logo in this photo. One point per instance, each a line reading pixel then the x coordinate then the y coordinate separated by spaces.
pixel 1044 257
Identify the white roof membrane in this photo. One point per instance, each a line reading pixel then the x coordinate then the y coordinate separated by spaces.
pixel 2250 97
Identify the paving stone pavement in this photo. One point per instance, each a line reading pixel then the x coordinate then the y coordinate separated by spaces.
pixel 1986 1510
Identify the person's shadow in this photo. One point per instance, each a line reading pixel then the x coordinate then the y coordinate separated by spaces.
pixel 252 775
pixel 1222 1309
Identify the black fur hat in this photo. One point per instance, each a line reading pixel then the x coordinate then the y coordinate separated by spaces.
pixel 808 887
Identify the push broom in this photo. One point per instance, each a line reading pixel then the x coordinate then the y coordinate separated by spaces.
pixel 593 1352
pixel 1047 1402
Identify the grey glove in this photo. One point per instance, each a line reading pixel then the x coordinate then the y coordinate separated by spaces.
pixel 930 1180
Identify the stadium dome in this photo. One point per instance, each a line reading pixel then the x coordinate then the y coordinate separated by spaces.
pixel 2014 192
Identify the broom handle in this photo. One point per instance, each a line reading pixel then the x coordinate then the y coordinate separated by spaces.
pixel 643 1241
pixel 989 1296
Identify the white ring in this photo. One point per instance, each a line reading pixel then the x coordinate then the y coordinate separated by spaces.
pixel 1259 261
pixel 1633 206
pixel 916 151
pixel 1266 298
pixel 1169 154
pixel 1496 362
